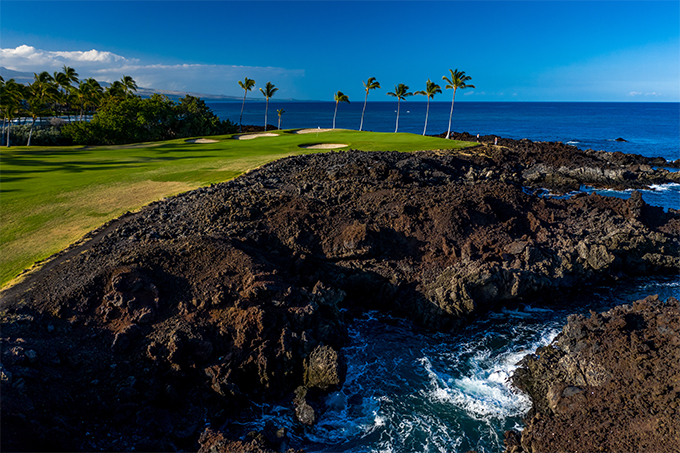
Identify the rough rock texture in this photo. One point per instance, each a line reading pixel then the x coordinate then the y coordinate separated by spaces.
pixel 560 167
pixel 193 308
pixel 610 382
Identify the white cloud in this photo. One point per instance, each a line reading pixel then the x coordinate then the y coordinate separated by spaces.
pixel 107 67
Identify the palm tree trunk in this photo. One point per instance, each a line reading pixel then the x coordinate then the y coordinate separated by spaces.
pixel 265 115
pixel 397 127
pixel 30 133
pixel 9 126
pixel 335 114
pixel 427 113
pixel 279 122
pixel 363 111
pixel 448 133
pixel 240 118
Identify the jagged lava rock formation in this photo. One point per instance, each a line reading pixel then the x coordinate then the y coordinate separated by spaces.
pixel 186 312
pixel 610 382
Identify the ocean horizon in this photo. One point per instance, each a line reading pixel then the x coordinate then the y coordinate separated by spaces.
pixel 649 128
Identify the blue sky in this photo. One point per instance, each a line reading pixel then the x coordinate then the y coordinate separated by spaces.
pixel 514 51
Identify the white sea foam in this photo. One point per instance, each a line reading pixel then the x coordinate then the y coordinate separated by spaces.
pixel 665 187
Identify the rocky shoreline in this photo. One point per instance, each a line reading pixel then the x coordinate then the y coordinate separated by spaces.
pixel 170 322
pixel 610 382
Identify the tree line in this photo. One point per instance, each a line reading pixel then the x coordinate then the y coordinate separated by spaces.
pixel 455 80
pixel 121 115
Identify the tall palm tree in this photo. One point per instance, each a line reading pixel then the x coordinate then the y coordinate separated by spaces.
pixel 430 90
pixel 268 92
pixel 247 85
pixel 400 92
pixel 72 76
pixel 129 85
pixel 370 84
pixel 339 97
pixel 11 95
pixel 38 94
pixel 89 92
pixel 280 112
pixel 457 80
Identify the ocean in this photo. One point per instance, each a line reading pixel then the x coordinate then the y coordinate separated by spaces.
pixel 413 390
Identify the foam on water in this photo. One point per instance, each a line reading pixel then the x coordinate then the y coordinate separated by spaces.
pixel 413 390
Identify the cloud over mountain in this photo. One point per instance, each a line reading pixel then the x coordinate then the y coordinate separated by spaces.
pixel 107 66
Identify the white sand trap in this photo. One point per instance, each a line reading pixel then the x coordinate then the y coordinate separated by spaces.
pixel 324 146
pixel 200 140
pixel 252 136
pixel 311 131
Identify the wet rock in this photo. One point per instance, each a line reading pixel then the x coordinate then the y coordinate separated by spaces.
pixel 324 368
pixel 304 412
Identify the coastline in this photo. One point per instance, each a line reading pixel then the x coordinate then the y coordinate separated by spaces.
pixel 259 275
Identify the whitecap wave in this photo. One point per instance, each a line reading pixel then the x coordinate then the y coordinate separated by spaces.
pixel 665 187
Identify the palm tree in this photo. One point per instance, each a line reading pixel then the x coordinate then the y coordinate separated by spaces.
pixel 72 77
pixel 457 80
pixel 430 90
pixel 89 92
pixel 129 85
pixel 37 96
pixel 247 85
pixel 370 84
pixel 280 112
pixel 115 90
pixel 268 92
pixel 339 97
pixel 400 92
pixel 11 95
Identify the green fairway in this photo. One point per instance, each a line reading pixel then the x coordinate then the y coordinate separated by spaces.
pixel 51 197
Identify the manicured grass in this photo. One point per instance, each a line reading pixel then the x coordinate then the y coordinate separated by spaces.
pixel 51 197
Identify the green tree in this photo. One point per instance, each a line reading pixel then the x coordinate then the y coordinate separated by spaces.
pixel 115 90
pixel 339 97
pixel 431 89
pixel 370 84
pixel 72 76
pixel 457 80
pixel 88 95
pixel 401 93
pixel 247 85
pixel 11 97
pixel 268 92
pixel 195 118
pixel 280 112
pixel 38 95
pixel 129 85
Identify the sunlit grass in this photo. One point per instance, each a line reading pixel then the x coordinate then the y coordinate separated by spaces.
pixel 51 197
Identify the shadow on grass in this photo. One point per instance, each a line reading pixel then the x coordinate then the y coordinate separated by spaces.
pixel 45 166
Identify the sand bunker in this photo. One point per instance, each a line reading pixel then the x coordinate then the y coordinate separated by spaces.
pixel 200 140
pixel 324 146
pixel 252 136
pixel 311 131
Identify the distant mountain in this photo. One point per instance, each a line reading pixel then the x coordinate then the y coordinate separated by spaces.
pixel 28 77
pixel 19 77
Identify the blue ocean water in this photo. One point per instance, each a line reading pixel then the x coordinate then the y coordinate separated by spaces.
pixel 410 390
